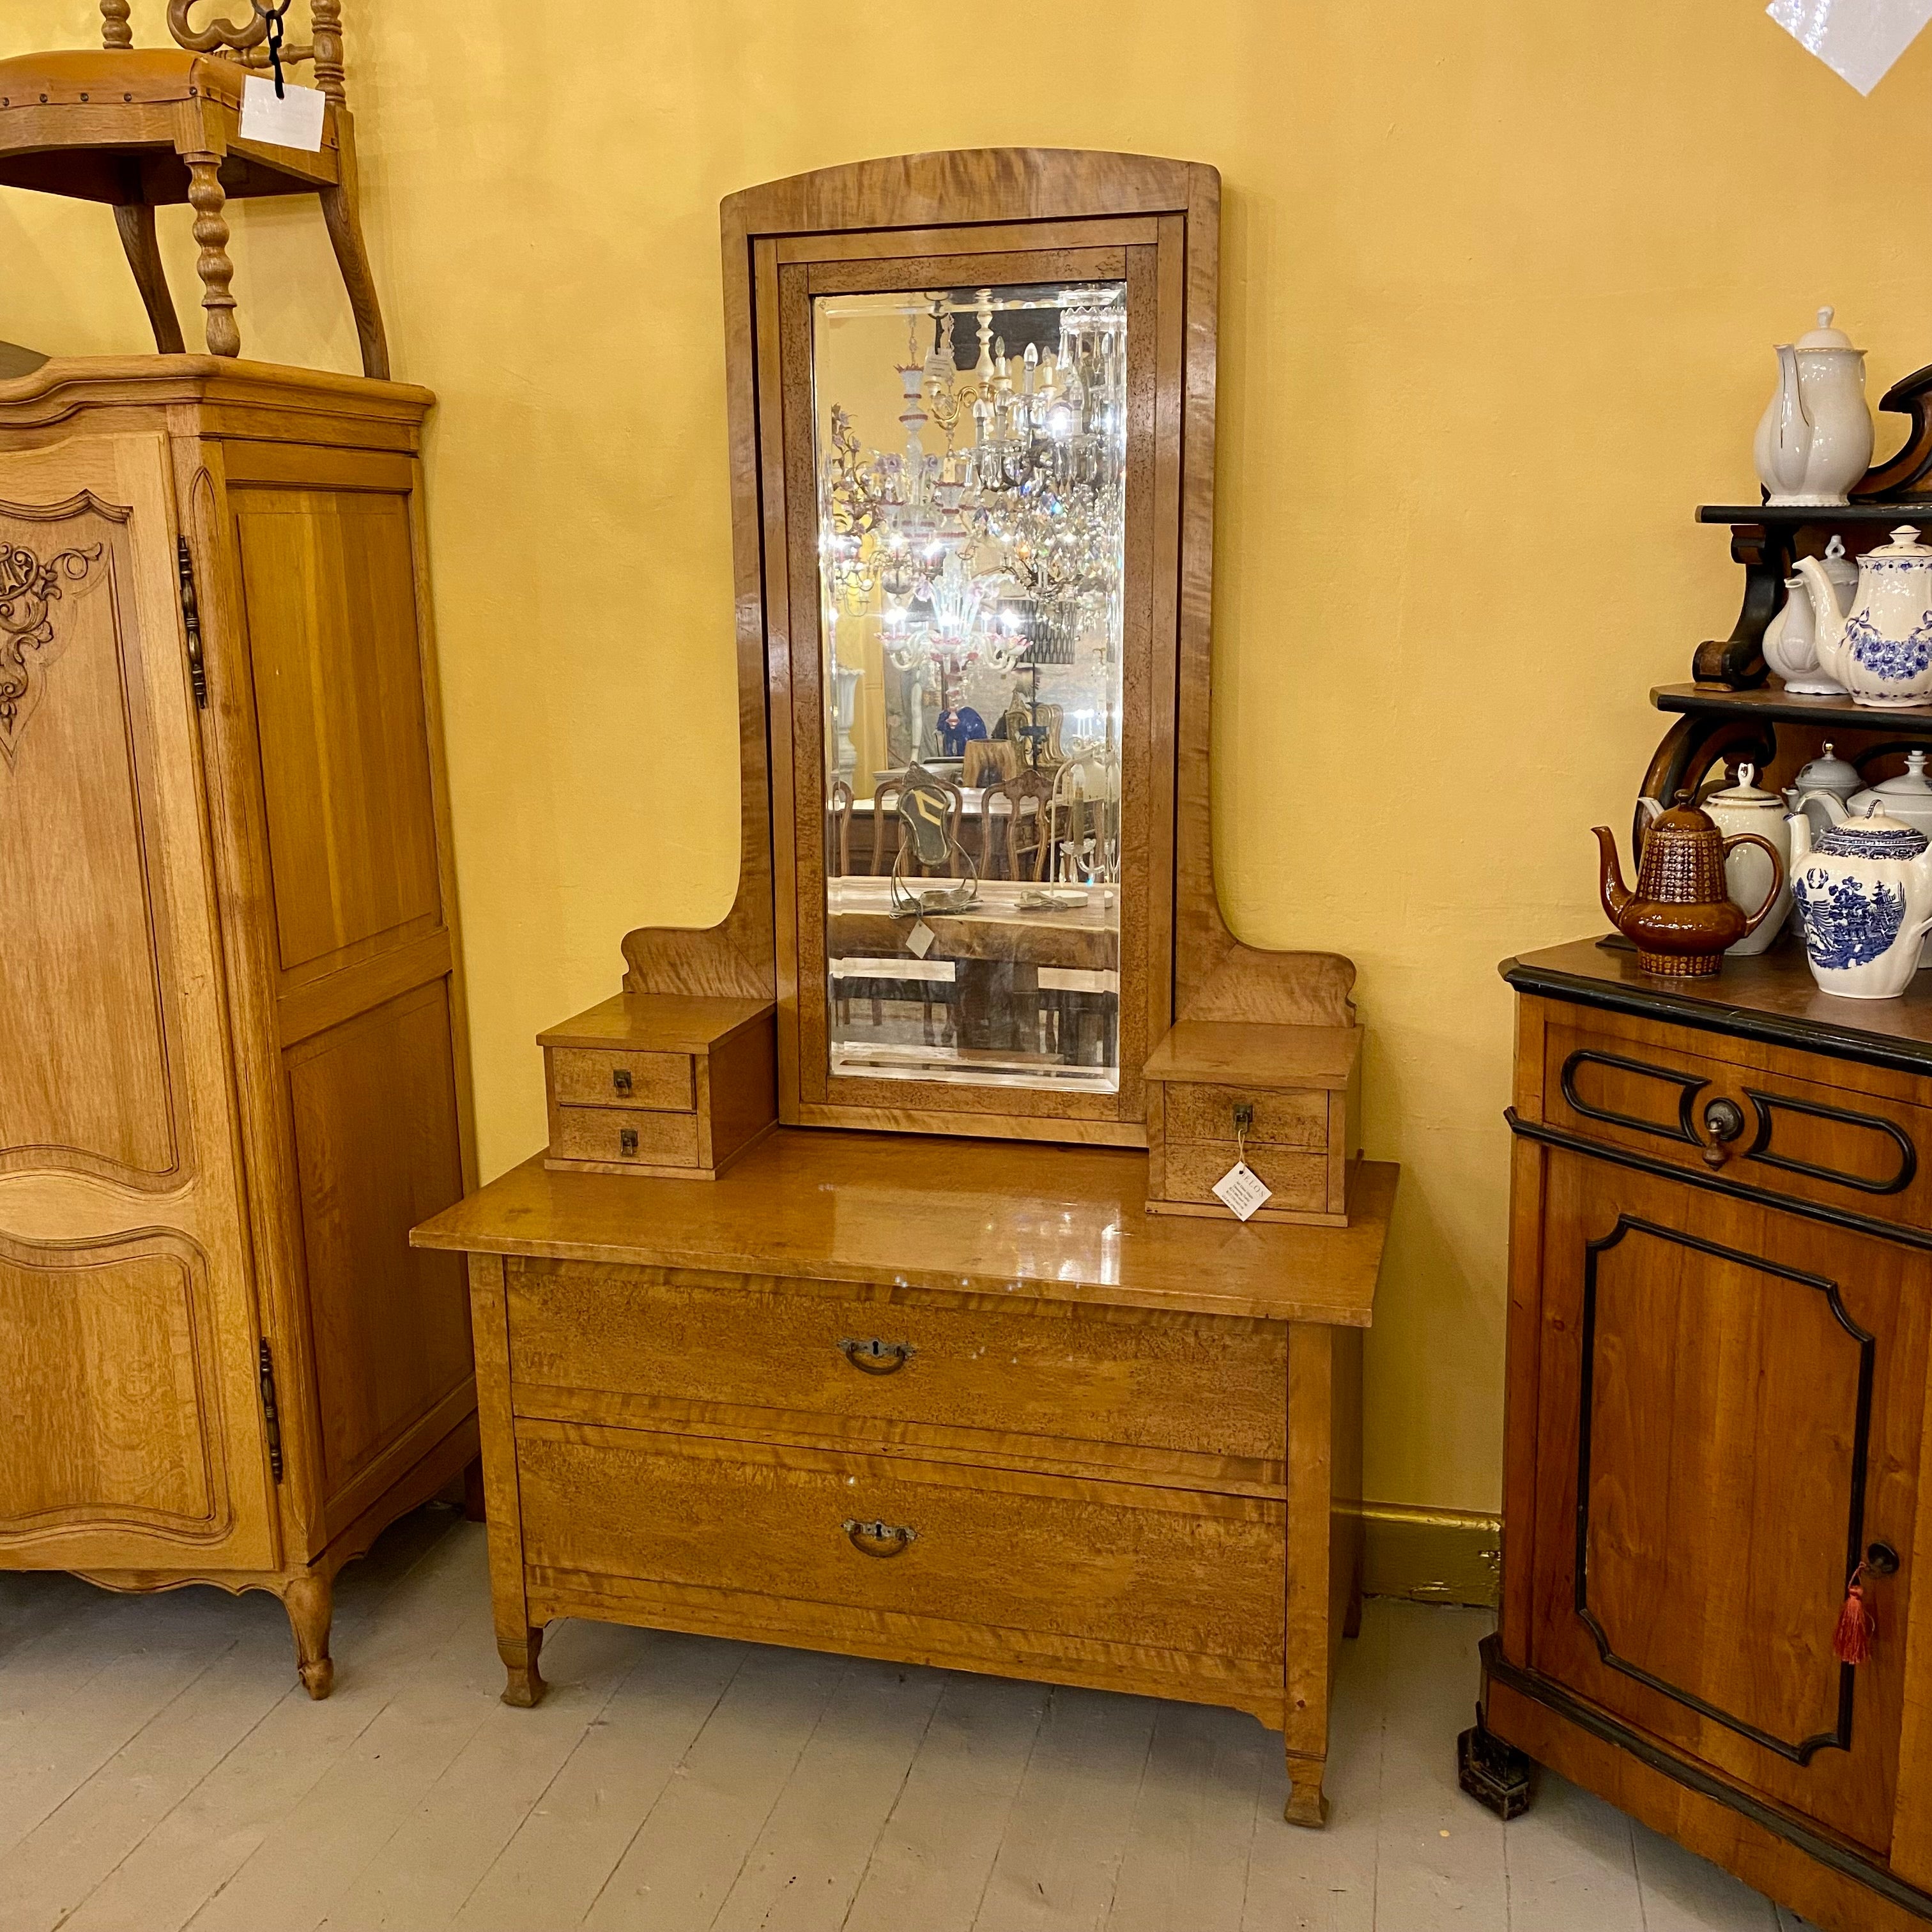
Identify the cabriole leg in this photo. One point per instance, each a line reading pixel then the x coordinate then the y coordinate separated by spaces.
pixel 136 221
pixel 526 1686
pixel 204 192
pixel 1306 1804
pixel 310 1600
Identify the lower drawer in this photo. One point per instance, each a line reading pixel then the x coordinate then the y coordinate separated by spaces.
pixel 1299 1181
pixel 619 1135
pixel 1105 1562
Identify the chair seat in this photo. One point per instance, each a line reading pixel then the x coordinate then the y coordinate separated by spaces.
pixel 73 122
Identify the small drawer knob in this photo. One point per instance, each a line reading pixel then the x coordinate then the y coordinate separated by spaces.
pixel 627 1141
pixel 620 1078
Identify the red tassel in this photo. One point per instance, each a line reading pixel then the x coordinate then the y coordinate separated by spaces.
pixel 1851 1641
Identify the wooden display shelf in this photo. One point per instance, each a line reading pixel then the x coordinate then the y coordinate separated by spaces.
pixel 1773 704
pixel 1796 516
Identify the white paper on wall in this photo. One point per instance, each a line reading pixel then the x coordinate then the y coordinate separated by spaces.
pixel 1858 39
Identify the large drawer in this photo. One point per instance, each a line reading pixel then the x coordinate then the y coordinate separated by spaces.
pixel 1659 1090
pixel 1196 1385
pixel 1109 1563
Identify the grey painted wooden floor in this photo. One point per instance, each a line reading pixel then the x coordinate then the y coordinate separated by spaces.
pixel 159 1768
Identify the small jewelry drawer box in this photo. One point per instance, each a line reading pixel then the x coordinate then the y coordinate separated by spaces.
pixel 1283 1099
pixel 660 1085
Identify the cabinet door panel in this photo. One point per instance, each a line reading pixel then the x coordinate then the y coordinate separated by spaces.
pixel 128 1366
pixel 1729 1407
pixel 333 637
pixel 376 1137
pixel 88 1084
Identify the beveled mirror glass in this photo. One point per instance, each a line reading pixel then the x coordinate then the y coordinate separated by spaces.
pixel 971 454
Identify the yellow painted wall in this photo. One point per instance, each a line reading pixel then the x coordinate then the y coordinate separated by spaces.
pixel 1499 285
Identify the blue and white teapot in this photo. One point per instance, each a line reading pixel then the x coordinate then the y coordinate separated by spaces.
pixel 1881 651
pixel 1864 895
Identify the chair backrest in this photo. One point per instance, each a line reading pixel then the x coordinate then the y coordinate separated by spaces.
pixel 838 804
pixel 885 799
pixel 246 43
pixel 1028 841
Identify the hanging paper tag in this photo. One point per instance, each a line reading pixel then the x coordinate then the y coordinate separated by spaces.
pixel 293 120
pixel 920 940
pixel 1243 1189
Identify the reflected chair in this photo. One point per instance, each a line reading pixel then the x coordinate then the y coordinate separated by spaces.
pixel 140 128
pixel 885 802
pixel 839 844
pixel 1026 843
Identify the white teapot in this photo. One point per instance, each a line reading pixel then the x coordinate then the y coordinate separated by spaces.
pixel 1790 643
pixel 1864 895
pixel 1748 869
pixel 1882 652
pixel 1815 440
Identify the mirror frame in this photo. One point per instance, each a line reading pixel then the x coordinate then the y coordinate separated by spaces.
pixel 1021 203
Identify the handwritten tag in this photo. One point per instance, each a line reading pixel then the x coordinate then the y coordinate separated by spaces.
pixel 293 119
pixel 1243 1189
pixel 920 940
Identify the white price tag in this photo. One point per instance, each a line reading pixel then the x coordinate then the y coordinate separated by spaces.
pixel 291 119
pixel 920 940
pixel 1243 1189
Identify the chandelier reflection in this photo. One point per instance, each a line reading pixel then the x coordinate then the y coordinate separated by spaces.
pixel 1001 545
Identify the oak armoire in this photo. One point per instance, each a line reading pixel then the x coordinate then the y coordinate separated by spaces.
pixel 232 1065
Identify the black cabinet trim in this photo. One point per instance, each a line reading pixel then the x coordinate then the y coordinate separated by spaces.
pixel 1688 1085
pixel 1759 1149
pixel 1898 1232
pixel 1709 1016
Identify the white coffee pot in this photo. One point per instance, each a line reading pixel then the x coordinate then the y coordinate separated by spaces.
pixel 1815 440
pixel 1864 897
pixel 1882 652
pixel 1790 641
pixel 1744 808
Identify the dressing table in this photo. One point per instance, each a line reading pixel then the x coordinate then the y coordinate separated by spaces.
pixel 865 1338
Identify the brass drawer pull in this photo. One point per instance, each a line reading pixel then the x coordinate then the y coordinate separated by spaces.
pixel 875 1357
pixel 627 1141
pixel 620 1078
pixel 864 1536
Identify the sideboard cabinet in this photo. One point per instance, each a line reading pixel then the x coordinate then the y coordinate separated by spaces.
pixel 233 1071
pixel 1721 1295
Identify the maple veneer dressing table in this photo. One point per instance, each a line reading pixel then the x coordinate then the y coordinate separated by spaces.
pixel 906 1367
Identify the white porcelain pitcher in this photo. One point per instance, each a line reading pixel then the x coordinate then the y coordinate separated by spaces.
pixel 1815 440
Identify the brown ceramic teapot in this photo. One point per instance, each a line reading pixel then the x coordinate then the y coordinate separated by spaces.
pixel 1679 915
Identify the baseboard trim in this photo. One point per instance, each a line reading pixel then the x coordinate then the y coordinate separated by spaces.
pixel 1431 1555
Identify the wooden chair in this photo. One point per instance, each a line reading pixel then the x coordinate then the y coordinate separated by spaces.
pixel 1027 845
pixel 140 127
pixel 838 806
pixel 883 857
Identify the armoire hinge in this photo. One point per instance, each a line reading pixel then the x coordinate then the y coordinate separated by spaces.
pixel 197 671
pixel 270 1415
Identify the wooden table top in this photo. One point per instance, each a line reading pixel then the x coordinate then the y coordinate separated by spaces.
pixel 1772 998
pixel 983 1217
pixel 860 921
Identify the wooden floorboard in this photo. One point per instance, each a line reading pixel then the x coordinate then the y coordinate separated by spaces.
pixel 159 1769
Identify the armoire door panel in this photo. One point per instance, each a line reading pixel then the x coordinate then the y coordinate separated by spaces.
pixel 329 588
pixel 88 1084
pixel 133 1433
pixel 115 1414
pixel 377 1143
pixel 1729 1406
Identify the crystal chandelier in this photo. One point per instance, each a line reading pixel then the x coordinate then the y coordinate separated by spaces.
pixel 1002 550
